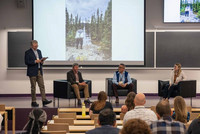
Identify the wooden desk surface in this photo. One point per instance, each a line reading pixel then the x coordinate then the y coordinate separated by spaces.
pixel 114 109
pixel 86 122
pixel 87 117
pixel 75 128
pixel 9 108
pixel 2 112
pixel 80 128
pixel 80 109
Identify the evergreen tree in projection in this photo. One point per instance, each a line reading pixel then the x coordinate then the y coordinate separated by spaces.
pixel 106 42
pixel 67 25
pixel 97 25
pixel 101 26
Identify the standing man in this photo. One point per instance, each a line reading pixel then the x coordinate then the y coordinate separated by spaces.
pixel 121 79
pixel 77 83
pixel 34 62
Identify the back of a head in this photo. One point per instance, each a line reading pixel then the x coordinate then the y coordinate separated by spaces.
pixel 102 96
pixel 129 102
pixel 37 117
pixel 136 126
pixel 140 99
pixel 107 117
pixel 180 109
pixel 163 108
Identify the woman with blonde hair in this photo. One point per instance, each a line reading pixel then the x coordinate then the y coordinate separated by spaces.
pixel 180 110
pixel 100 104
pixel 177 75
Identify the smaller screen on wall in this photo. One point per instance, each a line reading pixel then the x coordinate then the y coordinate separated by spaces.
pixel 182 11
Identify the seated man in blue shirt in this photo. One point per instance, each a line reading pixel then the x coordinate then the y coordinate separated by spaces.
pixel 121 79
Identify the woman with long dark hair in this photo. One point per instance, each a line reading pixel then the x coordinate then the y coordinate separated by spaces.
pixel 129 103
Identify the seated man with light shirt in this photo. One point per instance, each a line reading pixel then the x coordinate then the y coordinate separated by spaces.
pixel 121 79
pixel 77 83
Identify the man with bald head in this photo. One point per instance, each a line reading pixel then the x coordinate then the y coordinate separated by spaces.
pixel 140 111
pixel 165 124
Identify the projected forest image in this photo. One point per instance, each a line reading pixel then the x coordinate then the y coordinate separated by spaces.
pixel 88 30
pixel 190 10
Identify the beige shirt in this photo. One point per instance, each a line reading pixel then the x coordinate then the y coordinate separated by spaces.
pixel 77 78
pixel 181 77
pixel 142 113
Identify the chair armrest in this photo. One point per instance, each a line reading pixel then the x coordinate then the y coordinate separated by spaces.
pixel 187 88
pixel 161 85
pixel 134 81
pixel 109 90
pixel 89 82
pixel 62 89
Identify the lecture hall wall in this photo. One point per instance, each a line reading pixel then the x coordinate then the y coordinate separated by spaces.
pixel 16 81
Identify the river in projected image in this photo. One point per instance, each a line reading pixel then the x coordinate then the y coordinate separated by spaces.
pixel 88 30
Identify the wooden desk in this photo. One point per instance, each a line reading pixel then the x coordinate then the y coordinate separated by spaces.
pixel 85 122
pixel 13 117
pixel 5 114
pixel 80 128
pixel 87 117
pixel 64 110
pixel 73 129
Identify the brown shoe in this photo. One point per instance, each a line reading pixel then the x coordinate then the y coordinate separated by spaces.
pixel 117 100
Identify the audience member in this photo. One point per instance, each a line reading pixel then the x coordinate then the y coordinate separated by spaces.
pixel 165 124
pixel 136 126
pixel 180 110
pixel 129 103
pixel 100 104
pixel 140 111
pixel 37 118
pixel 194 127
pixel 107 122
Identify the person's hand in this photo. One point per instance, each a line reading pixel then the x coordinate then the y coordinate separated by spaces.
pixel 125 84
pixel 120 84
pixel 82 84
pixel 37 61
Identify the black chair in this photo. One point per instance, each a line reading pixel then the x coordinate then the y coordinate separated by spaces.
pixel 186 89
pixel 121 92
pixel 63 89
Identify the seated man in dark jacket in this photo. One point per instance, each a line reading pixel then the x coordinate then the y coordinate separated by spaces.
pixel 77 83
pixel 107 122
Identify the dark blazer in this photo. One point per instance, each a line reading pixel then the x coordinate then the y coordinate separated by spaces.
pixel 32 67
pixel 104 130
pixel 72 78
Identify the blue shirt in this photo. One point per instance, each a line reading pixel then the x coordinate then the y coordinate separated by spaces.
pixel 37 56
pixel 121 78
pixel 174 116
